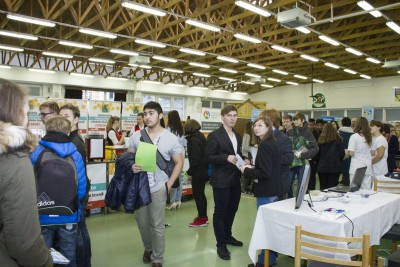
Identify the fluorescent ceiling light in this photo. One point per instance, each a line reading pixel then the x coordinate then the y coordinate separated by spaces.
pixel 228 59
pixel 353 51
pixel 150 43
pixel 252 75
pixel 246 82
pixel 280 72
pixel 226 79
pixel 116 78
pixel 228 70
pixel 247 38
pixel 144 8
pixel 124 52
pixel 43 71
pixel 365 76
pixel 201 74
pixel 201 65
pixel 202 25
pixel 173 70
pixel 221 91
pixel 133 65
pixel 54 54
pixel 283 49
pixel 167 59
pixel 151 82
pixel 328 40
pixel 300 77
pixel 5 67
pixel 274 80
pixel 81 75
pixel 18 35
pixel 240 93
pixel 256 66
pixel 200 88
pixel 31 20
pixel 350 71
pixel 98 33
pixel 313 59
pixel 398 72
pixel 192 51
pixel 176 84
pixel 267 85
pixel 101 60
pixel 373 60
pixel 366 6
pixel 303 30
pixel 254 8
pixel 393 26
pixel 330 65
pixel 317 81
pixel 75 44
pixel 11 48
pixel 145 67
pixel 292 83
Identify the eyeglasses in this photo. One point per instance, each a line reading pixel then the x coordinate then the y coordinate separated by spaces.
pixel 45 114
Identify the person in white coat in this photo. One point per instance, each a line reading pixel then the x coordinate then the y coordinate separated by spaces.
pixel 379 149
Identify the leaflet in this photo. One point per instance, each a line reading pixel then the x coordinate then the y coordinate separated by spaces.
pixel 239 162
pixel 58 258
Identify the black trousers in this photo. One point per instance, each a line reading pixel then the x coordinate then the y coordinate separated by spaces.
pixel 313 172
pixel 198 186
pixel 327 180
pixel 226 202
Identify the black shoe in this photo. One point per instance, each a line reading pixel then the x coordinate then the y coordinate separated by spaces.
pixel 259 265
pixel 223 253
pixel 147 256
pixel 232 241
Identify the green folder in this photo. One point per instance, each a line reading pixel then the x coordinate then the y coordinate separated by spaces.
pixel 146 157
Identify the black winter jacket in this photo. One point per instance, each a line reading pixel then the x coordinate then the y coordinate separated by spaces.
pixel 196 147
pixel 330 157
pixel 126 187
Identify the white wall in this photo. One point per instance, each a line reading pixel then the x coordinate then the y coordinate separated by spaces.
pixel 339 95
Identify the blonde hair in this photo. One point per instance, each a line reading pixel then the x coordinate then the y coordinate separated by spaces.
pixel 58 124
pixel 110 122
pixel 12 101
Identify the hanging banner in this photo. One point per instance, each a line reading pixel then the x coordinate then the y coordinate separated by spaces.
pixel 97 173
pixel 396 95
pixel 368 112
pixel 99 113
pixel 129 115
pixel 319 101
pixel 210 119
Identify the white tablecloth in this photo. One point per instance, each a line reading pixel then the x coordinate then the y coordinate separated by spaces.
pixel 274 228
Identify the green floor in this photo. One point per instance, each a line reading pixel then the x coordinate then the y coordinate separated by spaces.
pixel 116 240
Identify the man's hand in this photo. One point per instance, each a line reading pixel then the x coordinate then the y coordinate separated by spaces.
pixel 247 162
pixel 136 168
pixel 232 159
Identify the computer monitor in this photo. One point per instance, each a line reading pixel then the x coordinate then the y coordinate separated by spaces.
pixel 303 186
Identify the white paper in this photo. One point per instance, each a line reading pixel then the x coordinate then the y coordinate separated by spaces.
pixel 253 152
pixel 58 258
pixel 239 162
pixel 96 148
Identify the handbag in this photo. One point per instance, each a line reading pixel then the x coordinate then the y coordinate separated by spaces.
pixel 166 165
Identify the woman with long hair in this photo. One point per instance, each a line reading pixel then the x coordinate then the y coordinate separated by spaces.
pixel 22 243
pixel 360 151
pixel 330 157
pixel 175 126
pixel 336 125
pixel 196 149
pixel 393 146
pixel 246 142
pixel 112 129
pixel 379 149
pixel 268 185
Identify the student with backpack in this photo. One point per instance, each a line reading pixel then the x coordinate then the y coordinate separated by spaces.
pixel 61 185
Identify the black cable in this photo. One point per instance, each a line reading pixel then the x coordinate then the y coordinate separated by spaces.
pixel 352 229
pixel 311 206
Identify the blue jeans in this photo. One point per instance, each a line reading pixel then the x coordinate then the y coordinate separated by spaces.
pixel 67 235
pixel 176 193
pixel 83 250
pixel 272 254
pixel 298 170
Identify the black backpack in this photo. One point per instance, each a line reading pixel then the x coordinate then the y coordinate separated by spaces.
pixel 56 184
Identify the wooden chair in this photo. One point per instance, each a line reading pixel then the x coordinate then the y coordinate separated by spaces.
pixel 390 187
pixel 309 243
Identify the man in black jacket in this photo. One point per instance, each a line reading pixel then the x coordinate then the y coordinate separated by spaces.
pixel 84 251
pixel 222 147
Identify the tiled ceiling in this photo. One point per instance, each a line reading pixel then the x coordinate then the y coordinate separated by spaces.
pixel 342 20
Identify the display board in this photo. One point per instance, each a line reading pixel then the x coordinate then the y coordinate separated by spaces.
pixel 97 173
pixel 129 115
pixel 99 113
pixel 82 105
pixel 210 119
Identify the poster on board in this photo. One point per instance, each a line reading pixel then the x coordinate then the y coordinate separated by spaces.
pixel 129 115
pixel 210 119
pixel 97 173
pixel 368 112
pixel 396 95
pixel 99 113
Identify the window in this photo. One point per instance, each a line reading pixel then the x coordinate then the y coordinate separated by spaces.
pixel 378 114
pixel 353 113
pixel 217 104
pixel 319 113
pixel 337 113
pixel 168 103
pixel 392 114
pixel 165 103
pixel 179 105
pixel 205 103
pixel 148 98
